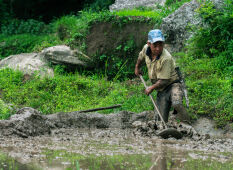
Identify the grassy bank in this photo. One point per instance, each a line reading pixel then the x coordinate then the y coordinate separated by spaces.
pixel 71 92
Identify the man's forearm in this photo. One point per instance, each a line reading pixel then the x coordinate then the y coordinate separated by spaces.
pixel 159 84
pixel 138 64
pixel 137 67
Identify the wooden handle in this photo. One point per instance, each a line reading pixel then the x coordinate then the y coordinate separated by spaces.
pixel 156 108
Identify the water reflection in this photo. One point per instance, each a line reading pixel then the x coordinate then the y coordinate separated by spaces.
pixel 8 163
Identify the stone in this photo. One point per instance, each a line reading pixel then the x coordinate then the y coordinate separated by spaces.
pixel 26 122
pixel 28 63
pixel 175 26
pixel 129 4
pixel 63 55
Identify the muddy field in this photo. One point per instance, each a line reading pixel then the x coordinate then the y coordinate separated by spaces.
pixel 64 146
pixel 114 147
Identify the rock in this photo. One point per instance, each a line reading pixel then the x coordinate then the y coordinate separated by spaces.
pixel 28 63
pixel 129 4
pixel 31 63
pixel 175 25
pixel 26 122
pixel 63 55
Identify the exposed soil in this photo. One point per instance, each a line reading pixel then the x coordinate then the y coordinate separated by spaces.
pixel 27 135
pixel 104 37
pixel 116 141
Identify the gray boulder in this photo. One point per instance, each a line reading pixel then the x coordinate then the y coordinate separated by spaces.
pixel 31 63
pixel 129 4
pixel 63 55
pixel 175 26
pixel 28 63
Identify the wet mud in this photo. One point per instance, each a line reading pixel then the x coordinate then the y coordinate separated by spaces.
pixel 28 137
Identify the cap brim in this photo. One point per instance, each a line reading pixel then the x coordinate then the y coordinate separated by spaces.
pixel 156 40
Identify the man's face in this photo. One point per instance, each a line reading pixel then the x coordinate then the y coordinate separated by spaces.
pixel 156 48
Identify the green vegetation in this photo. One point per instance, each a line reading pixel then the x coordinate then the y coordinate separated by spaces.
pixel 210 91
pixel 4 110
pixel 207 164
pixel 25 43
pixel 218 35
pixel 70 92
pixel 134 161
pixel 208 64
pixel 137 161
pixel 155 14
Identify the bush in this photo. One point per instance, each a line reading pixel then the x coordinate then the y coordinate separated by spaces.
pixel 5 15
pixel 5 111
pixel 30 26
pixel 25 43
pixel 210 90
pixel 99 5
pixel 214 38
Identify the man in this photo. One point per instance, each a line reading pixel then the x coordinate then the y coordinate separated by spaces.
pixel 161 71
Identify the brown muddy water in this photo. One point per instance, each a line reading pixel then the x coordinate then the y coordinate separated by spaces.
pixel 113 149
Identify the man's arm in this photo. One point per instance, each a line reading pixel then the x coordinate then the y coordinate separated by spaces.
pixel 137 70
pixel 159 84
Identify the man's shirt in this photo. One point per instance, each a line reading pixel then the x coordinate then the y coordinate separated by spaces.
pixel 162 67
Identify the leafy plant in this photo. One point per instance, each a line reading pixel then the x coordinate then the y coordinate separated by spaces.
pixel 210 90
pixel 98 5
pixel 5 15
pixel 25 43
pixel 214 37
pixel 5 111
pixel 30 26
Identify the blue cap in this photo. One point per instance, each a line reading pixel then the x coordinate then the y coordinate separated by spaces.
pixel 155 35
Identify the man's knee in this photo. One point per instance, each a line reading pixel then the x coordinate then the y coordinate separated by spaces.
pixel 178 106
pixel 182 114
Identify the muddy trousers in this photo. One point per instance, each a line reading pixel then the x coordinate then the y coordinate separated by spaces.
pixel 172 96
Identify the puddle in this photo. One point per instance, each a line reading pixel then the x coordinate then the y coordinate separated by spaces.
pixel 112 149
pixel 9 163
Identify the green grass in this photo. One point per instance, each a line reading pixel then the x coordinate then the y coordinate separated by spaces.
pixel 156 14
pixel 207 164
pixel 133 161
pixel 70 92
pixel 210 90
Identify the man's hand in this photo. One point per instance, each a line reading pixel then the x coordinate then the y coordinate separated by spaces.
pixel 159 84
pixel 149 90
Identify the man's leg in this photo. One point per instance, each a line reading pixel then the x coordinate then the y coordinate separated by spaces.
pixel 163 104
pixel 177 103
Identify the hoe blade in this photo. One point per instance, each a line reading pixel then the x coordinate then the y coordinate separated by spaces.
pixel 170 132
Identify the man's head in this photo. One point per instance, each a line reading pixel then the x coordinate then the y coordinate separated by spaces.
pixel 156 41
